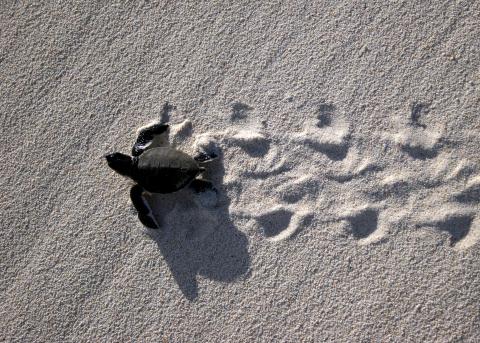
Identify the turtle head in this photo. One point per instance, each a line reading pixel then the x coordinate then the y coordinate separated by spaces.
pixel 121 163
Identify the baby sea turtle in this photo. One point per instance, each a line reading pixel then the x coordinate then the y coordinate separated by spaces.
pixel 157 168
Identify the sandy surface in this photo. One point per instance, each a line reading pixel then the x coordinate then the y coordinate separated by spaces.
pixel 349 175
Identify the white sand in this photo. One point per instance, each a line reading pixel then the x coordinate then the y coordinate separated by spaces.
pixel 349 172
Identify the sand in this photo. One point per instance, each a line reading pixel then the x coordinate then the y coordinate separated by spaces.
pixel 348 177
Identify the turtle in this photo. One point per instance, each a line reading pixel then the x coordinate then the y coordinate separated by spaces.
pixel 159 168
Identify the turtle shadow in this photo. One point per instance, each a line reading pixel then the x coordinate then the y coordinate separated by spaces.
pixel 198 239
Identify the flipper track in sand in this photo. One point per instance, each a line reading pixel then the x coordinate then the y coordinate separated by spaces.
pixel 385 197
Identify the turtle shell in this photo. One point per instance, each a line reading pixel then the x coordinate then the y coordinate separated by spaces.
pixel 165 170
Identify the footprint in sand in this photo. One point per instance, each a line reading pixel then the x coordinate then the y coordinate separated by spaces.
pixel 328 135
pixel 464 226
pixel 461 224
pixel 415 139
pixel 419 143
pixel 303 187
pixel 365 224
pixel 471 193
pixel 354 166
pixel 240 111
pixel 252 141
pixel 281 222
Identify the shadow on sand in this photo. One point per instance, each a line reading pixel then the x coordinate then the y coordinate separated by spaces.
pixel 198 237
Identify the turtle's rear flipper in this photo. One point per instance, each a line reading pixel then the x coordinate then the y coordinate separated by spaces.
pixel 147 221
pixel 150 137
pixel 202 157
pixel 145 213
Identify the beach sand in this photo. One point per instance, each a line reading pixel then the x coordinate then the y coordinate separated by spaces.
pixel 348 177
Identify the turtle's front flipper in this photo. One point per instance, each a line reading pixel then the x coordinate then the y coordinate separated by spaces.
pixel 150 137
pixel 145 213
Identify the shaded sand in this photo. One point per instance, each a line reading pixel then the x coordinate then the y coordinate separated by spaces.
pixel 348 172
